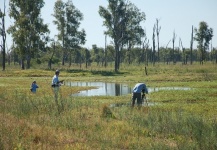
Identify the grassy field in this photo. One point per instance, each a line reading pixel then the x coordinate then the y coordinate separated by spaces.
pixel 182 119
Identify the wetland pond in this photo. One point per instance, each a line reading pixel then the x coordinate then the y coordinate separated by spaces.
pixel 113 89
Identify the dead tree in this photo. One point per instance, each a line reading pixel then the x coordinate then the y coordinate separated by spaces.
pixel 153 39
pixel 173 40
pixel 191 46
pixel 167 58
pixel 145 46
pixel 158 32
pixel 183 53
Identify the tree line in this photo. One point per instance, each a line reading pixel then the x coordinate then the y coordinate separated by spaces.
pixel 124 25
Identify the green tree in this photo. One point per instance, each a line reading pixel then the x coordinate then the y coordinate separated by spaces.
pixel 203 35
pixel 67 19
pixel 121 19
pixel 28 32
pixel 60 16
pixel 134 31
pixel 97 55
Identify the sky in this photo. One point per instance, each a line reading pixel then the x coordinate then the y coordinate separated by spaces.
pixel 174 16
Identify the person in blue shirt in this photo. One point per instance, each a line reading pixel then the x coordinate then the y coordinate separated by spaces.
pixel 34 86
pixel 138 93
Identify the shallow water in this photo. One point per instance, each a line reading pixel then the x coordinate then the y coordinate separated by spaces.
pixel 113 89
pixel 102 89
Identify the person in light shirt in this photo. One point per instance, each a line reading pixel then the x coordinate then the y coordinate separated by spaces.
pixel 138 93
pixel 56 83
pixel 55 80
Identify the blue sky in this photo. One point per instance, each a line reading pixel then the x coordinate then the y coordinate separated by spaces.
pixel 174 15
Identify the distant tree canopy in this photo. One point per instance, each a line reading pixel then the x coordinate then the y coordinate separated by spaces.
pixel 67 19
pixel 203 35
pixel 122 20
pixel 28 31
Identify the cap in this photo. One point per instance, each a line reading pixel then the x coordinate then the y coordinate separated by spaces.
pixel 57 71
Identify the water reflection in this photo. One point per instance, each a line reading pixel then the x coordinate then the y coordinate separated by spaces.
pixel 113 89
pixel 102 88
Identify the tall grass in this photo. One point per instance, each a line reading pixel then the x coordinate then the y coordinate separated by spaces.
pixel 179 120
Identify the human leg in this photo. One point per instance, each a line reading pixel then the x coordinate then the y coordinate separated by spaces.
pixel 139 99
pixel 133 99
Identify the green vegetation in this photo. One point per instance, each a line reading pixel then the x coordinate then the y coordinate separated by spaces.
pixel 180 120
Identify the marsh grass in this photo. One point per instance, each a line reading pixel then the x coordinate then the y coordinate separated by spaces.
pixel 180 120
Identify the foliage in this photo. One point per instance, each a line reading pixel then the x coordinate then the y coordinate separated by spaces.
pixel 28 31
pixel 203 35
pixel 123 25
pixel 67 19
pixel 123 22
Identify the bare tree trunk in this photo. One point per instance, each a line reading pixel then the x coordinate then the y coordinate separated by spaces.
pixel 28 55
pixel 211 52
pixel 70 59
pixel 80 61
pixel 153 38
pixel 129 57
pixel 9 58
pixel 116 56
pixel 216 56
pixel 183 53
pixel 146 53
pixel 22 64
pixel 167 59
pixel 158 32
pixel 63 49
pixel 50 60
pixel 28 61
pixel 105 51
pixel 119 56
pixel 191 47
pixel 14 57
pixel 63 59
pixel 3 39
pixel 173 40
pixel 86 59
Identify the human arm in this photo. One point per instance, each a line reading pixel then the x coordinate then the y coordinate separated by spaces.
pixel 61 81
pixel 144 89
